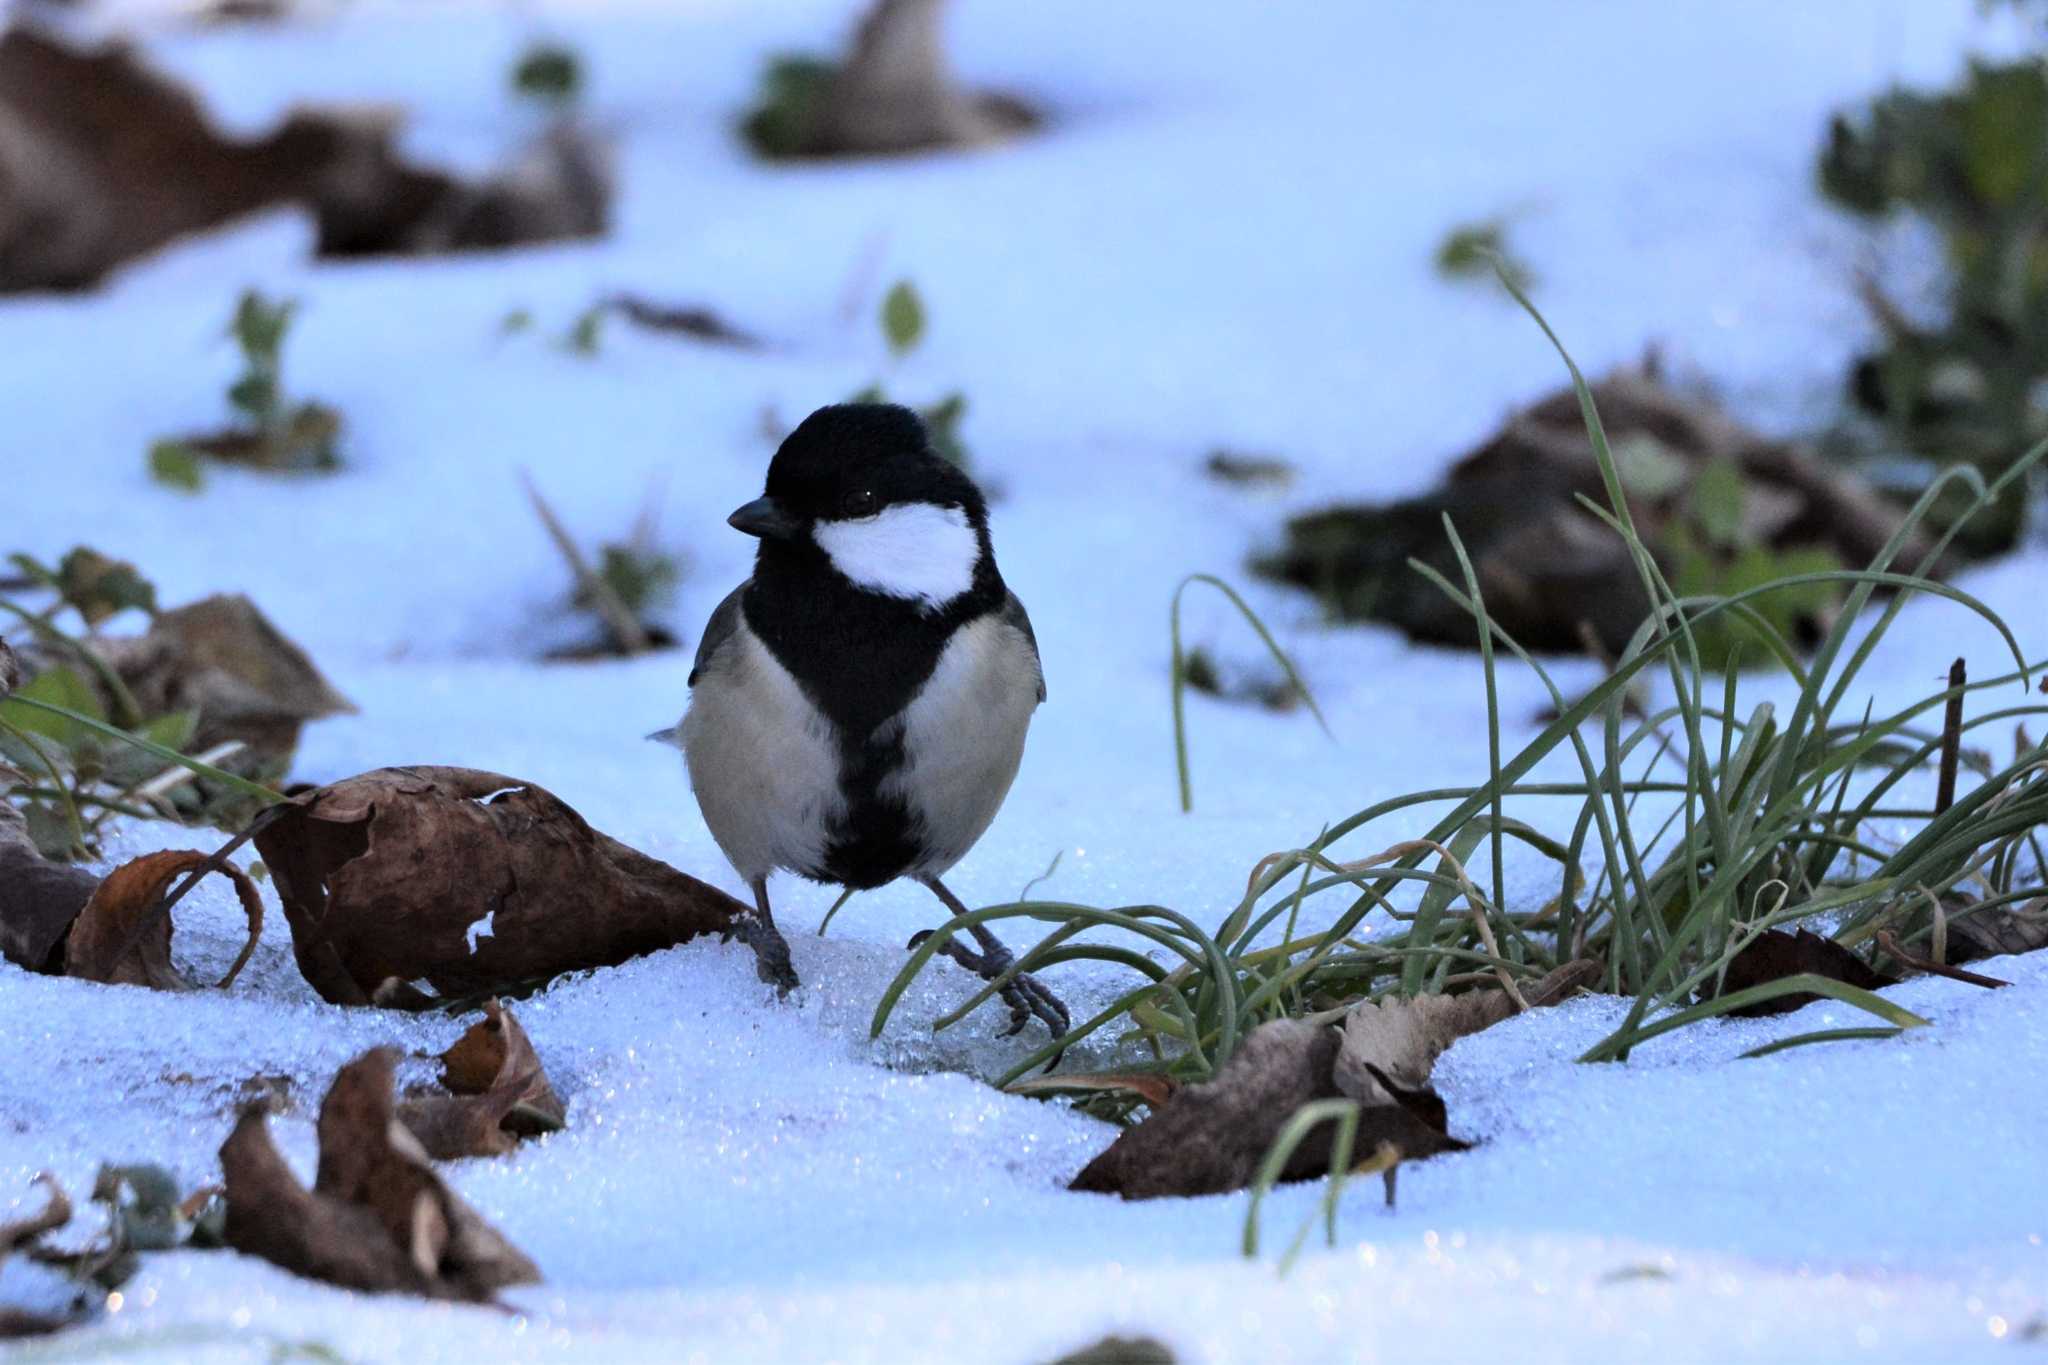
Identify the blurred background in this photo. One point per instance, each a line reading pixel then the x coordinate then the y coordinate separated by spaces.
pixel 448 332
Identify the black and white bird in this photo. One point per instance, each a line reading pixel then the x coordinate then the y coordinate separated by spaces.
pixel 858 707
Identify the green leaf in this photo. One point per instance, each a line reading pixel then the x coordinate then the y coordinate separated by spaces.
pixel 259 327
pixel 792 87
pixel 58 687
pixel 255 394
pixel 902 317
pixel 1479 250
pixel 586 335
pixel 1716 500
pixel 98 587
pixel 549 73
pixel 175 465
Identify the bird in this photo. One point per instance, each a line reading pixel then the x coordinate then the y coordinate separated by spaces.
pixel 858 706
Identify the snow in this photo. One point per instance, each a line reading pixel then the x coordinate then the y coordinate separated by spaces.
pixel 1222 240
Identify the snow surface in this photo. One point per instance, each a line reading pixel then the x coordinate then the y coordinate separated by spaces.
pixel 1222 239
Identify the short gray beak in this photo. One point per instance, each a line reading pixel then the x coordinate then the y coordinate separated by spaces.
pixel 765 518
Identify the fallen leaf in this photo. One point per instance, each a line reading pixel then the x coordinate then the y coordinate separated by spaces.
pixel 1775 954
pixel 1150 1086
pixel 17 1320
pixel 1898 951
pixel 103 160
pixel 56 1213
pixel 499 1093
pixel 687 320
pixel 222 659
pixel 120 937
pixel 472 881
pixel 378 1216
pixel 1120 1350
pixel 1549 570
pixel 39 900
pixel 891 94
pixel 1997 932
pixel 1210 1138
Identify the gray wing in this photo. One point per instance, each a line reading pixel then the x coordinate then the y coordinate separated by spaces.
pixel 724 621
pixel 1013 614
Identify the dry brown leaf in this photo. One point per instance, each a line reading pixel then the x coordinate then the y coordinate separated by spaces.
pixel 1899 953
pixel 1402 1039
pixel 893 93
pixel 39 900
pixel 103 160
pixel 378 1216
pixel 1775 954
pixel 1210 1138
pixel 1150 1086
pixel 120 937
pixel 1995 933
pixel 56 1213
pixel 500 1093
pixel 397 873
pixel 221 659
pixel 17 1322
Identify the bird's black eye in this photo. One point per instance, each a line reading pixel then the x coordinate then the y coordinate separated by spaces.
pixel 858 503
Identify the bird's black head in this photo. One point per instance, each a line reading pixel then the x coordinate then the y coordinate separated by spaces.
pixel 857 491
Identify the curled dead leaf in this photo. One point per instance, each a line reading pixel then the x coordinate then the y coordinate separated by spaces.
pixel 500 1093
pixel 1775 954
pixel 473 881
pixel 121 937
pixel 1210 1138
pixel 378 1216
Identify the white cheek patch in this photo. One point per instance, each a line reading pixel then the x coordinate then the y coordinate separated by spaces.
pixel 917 550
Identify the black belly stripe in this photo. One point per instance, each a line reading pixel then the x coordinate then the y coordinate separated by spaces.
pixel 860 657
pixel 877 840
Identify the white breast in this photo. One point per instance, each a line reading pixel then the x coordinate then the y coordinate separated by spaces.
pixel 915 550
pixel 963 737
pixel 763 760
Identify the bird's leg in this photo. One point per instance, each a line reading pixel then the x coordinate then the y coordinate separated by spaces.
pixel 771 950
pixel 1024 993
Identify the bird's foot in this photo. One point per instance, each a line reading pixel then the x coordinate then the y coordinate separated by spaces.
pixel 771 950
pixel 1025 994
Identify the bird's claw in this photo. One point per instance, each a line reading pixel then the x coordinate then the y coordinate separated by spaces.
pixel 1025 994
pixel 771 951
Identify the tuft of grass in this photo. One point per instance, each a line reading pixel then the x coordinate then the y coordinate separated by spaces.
pixel 1699 826
pixel 270 431
pixel 76 748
